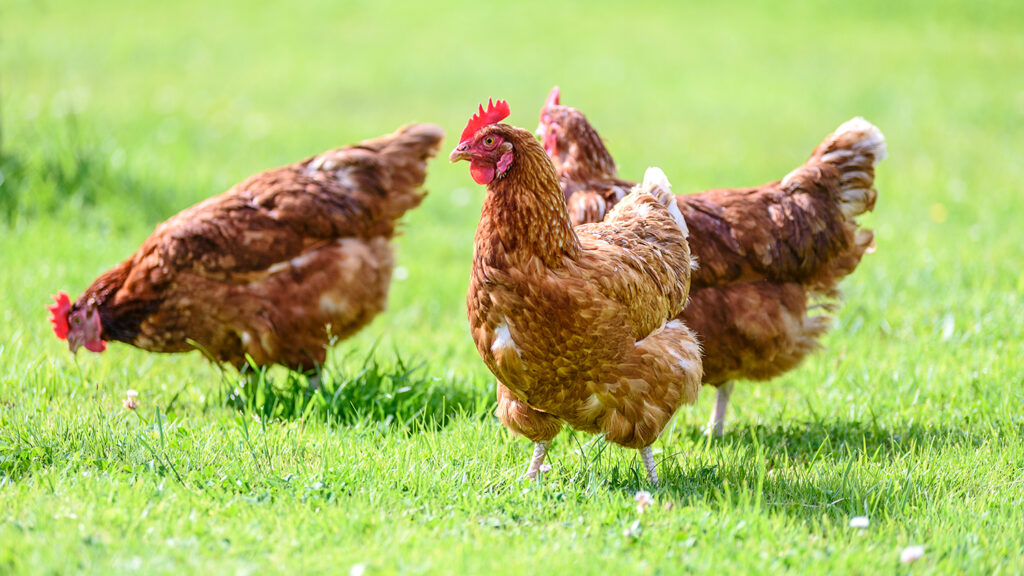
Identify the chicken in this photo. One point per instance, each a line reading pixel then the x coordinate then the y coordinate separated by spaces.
pixel 770 257
pixel 578 325
pixel 274 269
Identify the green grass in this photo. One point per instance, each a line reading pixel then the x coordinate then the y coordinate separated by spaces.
pixel 117 114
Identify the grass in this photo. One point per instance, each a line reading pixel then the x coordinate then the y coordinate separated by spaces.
pixel 116 114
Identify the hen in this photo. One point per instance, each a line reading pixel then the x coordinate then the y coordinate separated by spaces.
pixel 274 269
pixel 770 257
pixel 576 324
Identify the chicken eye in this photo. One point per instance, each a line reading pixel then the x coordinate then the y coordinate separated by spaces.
pixel 489 141
pixel 76 320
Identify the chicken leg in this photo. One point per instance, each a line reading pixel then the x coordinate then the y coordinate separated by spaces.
pixel 540 450
pixel 648 457
pixel 540 427
pixel 314 381
pixel 716 426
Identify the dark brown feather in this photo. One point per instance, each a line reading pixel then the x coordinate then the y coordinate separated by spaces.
pixel 278 265
pixel 767 255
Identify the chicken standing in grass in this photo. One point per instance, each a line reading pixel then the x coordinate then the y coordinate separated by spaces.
pixel 578 325
pixel 275 268
pixel 768 256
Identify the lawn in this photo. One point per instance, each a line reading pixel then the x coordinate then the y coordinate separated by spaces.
pixel 116 114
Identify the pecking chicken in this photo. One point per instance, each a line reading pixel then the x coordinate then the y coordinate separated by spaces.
pixel 769 257
pixel 275 269
pixel 578 325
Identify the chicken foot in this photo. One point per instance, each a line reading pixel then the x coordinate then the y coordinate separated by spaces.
pixel 716 426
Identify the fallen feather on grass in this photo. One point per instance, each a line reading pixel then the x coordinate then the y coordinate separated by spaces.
pixel 643 500
pixel 911 554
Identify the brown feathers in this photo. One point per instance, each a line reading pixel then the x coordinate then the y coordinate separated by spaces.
pixel 764 254
pixel 576 324
pixel 278 265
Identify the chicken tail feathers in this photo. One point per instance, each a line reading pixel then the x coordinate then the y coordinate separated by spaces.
pixel 656 184
pixel 854 149
pixel 392 167
pixel 404 155
pixel 843 166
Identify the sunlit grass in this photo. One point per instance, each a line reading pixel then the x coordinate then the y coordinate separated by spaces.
pixel 117 114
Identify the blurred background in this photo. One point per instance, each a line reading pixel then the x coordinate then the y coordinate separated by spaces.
pixel 117 114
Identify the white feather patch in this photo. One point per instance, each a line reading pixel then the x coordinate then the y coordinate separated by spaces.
pixel 503 339
pixel 872 140
pixel 656 184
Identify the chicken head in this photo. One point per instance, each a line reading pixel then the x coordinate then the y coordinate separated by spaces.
pixel 489 155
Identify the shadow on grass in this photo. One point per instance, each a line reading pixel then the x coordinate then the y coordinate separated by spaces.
pixel 845 439
pixel 393 393
pixel 386 394
pixel 819 473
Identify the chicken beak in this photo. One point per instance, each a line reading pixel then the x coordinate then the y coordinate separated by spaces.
pixel 461 152
pixel 74 343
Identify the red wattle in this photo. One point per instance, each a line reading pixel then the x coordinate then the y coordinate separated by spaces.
pixel 482 173
pixel 96 346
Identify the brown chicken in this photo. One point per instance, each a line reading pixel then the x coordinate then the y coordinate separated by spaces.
pixel 769 257
pixel 578 325
pixel 276 268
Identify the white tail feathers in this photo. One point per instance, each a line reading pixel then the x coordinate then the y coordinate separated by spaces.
pixel 858 147
pixel 858 142
pixel 656 184
pixel 654 178
pixel 854 148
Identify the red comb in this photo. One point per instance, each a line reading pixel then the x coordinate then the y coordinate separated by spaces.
pixel 495 113
pixel 59 314
pixel 553 97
